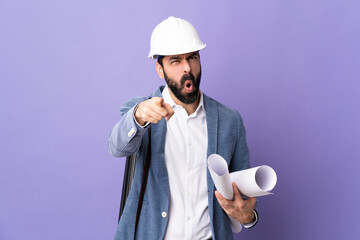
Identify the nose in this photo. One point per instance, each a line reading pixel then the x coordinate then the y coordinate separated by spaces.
pixel 187 67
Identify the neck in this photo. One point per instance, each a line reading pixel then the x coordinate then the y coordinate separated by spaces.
pixel 190 108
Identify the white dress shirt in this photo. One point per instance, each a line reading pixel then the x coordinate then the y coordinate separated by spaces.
pixel 185 157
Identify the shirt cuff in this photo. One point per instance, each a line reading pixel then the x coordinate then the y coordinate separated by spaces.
pixel 251 224
pixel 138 124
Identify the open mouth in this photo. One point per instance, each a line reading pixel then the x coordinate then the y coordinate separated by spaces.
pixel 189 86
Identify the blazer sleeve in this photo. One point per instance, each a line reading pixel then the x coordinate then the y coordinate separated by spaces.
pixel 240 159
pixel 125 137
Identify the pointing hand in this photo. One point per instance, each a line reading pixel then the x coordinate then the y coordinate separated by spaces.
pixel 153 110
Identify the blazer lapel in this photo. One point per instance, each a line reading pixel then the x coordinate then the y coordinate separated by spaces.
pixel 212 121
pixel 158 134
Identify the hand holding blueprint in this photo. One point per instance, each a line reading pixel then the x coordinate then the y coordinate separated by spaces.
pixel 253 182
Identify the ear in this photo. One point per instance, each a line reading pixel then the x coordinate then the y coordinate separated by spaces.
pixel 159 70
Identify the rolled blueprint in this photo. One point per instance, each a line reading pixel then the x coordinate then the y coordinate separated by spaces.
pixel 253 182
pixel 221 177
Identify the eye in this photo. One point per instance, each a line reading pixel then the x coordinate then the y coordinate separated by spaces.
pixel 193 57
pixel 174 61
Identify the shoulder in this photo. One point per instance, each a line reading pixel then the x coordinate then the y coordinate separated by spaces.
pixel 224 111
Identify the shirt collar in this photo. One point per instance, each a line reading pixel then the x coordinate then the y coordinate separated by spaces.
pixel 168 99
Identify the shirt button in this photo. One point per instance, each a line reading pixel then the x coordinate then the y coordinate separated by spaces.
pixel 163 214
pixel 188 193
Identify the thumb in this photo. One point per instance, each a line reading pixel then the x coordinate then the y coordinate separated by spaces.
pixel 237 194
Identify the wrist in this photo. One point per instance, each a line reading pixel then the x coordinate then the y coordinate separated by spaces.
pixel 250 218
pixel 253 222
pixel 137 116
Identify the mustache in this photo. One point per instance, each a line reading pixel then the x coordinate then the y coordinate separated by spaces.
pixel 187 76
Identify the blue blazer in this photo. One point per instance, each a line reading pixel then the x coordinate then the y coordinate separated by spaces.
pixel 226 137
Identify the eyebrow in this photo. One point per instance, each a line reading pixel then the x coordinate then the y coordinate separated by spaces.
pixel 178 57
pixel 175 58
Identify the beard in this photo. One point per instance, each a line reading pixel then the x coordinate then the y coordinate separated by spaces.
pixel 187 98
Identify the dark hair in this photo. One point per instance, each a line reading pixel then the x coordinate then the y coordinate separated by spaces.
pixel 160 60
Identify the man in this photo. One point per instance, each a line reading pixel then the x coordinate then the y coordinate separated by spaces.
pixel 186 127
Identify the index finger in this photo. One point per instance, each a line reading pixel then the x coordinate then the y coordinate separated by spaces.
pixel 169 110
pixel 160 110
pixel 157 106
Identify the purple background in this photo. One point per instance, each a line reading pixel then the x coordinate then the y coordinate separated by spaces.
pixel 290 67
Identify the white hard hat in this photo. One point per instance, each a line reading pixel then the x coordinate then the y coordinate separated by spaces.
pixel 174 36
